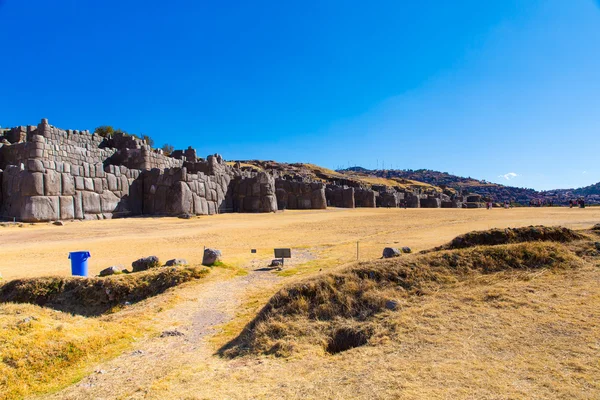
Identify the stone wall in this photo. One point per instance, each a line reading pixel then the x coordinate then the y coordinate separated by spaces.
pixel 254 194
pixel 297 195
pixel 174 191
pixel 340 196
pixel 63 175
pixel 364 198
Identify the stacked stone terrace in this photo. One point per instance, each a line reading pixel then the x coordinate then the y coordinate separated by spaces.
pixel 49 174
pixel 52 174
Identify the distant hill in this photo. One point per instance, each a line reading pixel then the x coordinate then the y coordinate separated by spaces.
pixel 351 178
pixel 495 191
pixel 588 190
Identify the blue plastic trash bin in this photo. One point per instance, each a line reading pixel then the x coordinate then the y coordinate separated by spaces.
pixel 79 263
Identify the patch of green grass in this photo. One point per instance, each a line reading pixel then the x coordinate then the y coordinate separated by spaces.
pixel 238 271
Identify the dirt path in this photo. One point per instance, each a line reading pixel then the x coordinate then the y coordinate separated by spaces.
pixel 184 340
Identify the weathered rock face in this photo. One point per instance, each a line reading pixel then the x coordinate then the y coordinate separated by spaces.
pixel 340 196
pixel 300 195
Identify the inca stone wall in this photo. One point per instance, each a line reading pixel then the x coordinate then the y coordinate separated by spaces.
pixel 62 175
pixel 365 198
pixel 340 196
pixel 254 194
pixel 297 195
pixel 47 174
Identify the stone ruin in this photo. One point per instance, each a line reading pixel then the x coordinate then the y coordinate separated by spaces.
pixel 50 174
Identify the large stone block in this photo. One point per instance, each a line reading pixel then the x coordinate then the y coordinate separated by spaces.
pixel 111 181
pixel 32 183
pixel 52 183
pixel 67 207
pixel 40 208
pixel 68 184
pixel 78 205
pixel 91 203
pixel 180 199
pixel 109 202
pixel 35 165
pixel 99 185
pixel 89 184
pixel 318 199
pixel 79 183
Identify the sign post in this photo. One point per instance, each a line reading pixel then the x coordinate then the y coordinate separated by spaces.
pixel 283 254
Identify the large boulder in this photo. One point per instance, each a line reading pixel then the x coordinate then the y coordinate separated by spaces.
pixel 390 252
pixel 211 256
pixel 145 263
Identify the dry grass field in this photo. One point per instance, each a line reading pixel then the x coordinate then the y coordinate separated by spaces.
pixel 35 250
pixel 497 330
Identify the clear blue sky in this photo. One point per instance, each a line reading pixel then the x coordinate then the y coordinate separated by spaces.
pixel 475 88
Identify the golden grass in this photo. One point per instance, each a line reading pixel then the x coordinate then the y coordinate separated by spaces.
pixel 42 350
pixel 317 310
pixel 474 332
pixel 518 334
pixel 95 296
pixel 43 249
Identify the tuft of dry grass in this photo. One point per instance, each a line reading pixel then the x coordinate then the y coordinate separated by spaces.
pixel 314 311
pixel 95 296
pixel 494 237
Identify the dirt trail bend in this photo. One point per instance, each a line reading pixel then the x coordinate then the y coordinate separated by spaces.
pixel 185 331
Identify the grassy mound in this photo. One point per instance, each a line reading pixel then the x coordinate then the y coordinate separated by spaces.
pixel 43 349
pixel 493 237
pixel 95 296
pixel 343 310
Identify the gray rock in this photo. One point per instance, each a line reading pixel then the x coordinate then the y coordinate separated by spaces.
pixel 40 208
pixel 406 250
pixel 276 263
pixel 176 262
pixel 145 263
pixel 597 244
pixel 185 216
pixel 52 183
pixel 111 271
pixel 32 184
pixel 390 252
pixel 67 207
pixel 58 223
pixel 171 333
pixel 391 305
pixel 211 256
